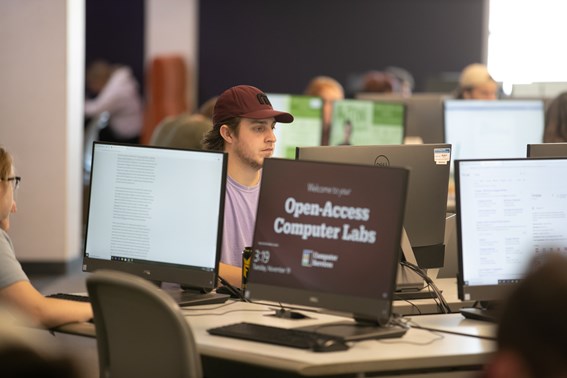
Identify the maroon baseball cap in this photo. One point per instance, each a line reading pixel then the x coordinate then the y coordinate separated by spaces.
pixel 248 102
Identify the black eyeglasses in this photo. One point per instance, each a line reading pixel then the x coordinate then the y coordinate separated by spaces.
pixel 15 181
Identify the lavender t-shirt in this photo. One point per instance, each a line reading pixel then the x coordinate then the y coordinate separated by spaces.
pixel 240 207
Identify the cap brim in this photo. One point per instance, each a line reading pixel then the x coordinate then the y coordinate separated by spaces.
pixel 281 117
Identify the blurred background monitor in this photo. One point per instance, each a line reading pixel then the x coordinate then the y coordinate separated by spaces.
pixel 424 113
pixel 481 129
pixel 492 129
pixel 365 122
pixel 306 128
pixel 507 215
pixel 425 213
pixel 547 150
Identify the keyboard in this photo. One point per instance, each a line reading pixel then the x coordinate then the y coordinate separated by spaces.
pixel 272 335
pixel 70 297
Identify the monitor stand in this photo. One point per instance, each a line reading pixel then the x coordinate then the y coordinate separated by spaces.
pixel 487 311
pixel 191 296
pixel 409 285
pixel 285 313
pixel 357 331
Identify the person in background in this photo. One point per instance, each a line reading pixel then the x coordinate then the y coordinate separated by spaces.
pixel 243 126
pixel 330 90
pixel 475 83
pixel 16 291
pixel 379 82
pixel 185 130
pixel 116 94
pixel 532 331
pixel 404 78
pixel 182 131
pixel 347 133
pixel 556 120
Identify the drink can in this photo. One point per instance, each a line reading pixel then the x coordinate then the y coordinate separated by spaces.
pixel 246 260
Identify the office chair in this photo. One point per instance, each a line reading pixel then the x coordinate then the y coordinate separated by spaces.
pixel 140 330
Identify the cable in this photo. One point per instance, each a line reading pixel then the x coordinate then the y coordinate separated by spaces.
pixel 233 290
pixel 415 325
pixel 442 304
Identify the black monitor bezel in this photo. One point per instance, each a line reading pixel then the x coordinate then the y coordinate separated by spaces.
pixel 538 150
pixel 189 277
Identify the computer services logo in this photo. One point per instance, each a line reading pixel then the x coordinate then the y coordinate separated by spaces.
pixel 306 258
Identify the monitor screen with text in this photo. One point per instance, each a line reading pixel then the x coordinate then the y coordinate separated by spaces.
pixel 156 212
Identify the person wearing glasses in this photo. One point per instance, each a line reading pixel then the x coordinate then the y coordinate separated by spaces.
pixel 16 291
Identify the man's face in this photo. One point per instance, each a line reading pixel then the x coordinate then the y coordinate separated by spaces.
pixel 254 141
pixel 7 202
pixel 486 91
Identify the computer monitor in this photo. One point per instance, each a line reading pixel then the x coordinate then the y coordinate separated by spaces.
pixel 479 129
pixel 364 122
pixel 156 213
pixel 537 150
pixel 306 128
pixel 425 213
pixel 508 213
pixel 327 236
pixel 424 113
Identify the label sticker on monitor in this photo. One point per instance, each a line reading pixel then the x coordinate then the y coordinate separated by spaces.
pixel 442 156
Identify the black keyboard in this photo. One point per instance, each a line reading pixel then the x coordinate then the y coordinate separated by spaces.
pixel 272 335
pixel 70 297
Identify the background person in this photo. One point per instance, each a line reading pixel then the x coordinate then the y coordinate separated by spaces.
pixel 330 90
pixel 556 120
pixel 244 123
pixel 532 332
pixel 16 291
pixel 475 83
pixel 116 93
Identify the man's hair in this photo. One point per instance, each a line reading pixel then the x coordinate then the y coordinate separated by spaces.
pixel 5 163
pixel 319 83
pixel 213 140
pixel 533 319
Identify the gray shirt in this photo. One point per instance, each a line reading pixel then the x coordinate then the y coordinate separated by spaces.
pixel 10 269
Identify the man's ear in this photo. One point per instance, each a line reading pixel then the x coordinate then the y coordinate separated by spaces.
pixel 226 133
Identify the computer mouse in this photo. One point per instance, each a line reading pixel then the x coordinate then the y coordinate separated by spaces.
pixel 329 345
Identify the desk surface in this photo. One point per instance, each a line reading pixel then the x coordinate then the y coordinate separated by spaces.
pixel 419 351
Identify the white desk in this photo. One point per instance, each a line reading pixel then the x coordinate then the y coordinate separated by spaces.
pixel 418 352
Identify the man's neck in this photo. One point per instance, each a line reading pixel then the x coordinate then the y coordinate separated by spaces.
pixel 243 174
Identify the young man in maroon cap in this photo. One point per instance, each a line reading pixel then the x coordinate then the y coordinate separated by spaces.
pixel 243 126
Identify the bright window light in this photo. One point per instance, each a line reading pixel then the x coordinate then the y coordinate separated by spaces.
pixel 526 41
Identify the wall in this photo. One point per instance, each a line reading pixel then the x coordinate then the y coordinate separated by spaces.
pixel 279 45
pixel 42 74
pixel 172 28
